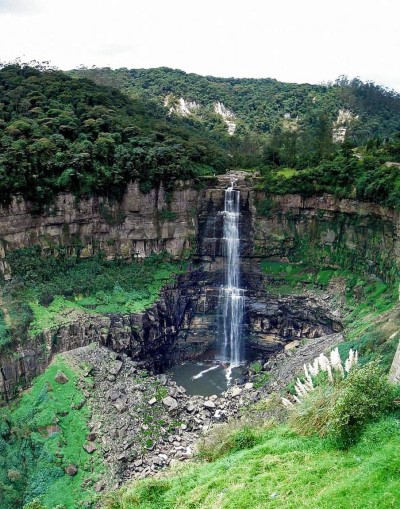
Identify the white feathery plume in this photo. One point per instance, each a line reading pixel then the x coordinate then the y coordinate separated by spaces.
pixel 309 384
pixel 323 362
pixel 300 389
pixel 287 403
pixel 336 361
pixel 349 361
pixel 315 367
pixel 352 360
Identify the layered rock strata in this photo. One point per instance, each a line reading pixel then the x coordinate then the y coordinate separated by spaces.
pixel 319 229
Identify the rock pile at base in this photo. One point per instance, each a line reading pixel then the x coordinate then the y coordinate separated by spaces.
pixel 141 423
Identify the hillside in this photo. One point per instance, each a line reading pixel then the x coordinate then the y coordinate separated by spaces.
pixel 262 105
pixel 61 133
pixel 283 471
pixel 94 136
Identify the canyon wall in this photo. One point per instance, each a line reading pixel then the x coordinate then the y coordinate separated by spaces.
pixel 181 325
pixel 137 226
pixel 322 229
pixel 272 226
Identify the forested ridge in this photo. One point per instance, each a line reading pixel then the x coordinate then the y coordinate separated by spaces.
pixel 261 104
pixel 61 133
pixel 91 131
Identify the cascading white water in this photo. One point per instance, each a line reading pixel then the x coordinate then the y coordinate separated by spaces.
pixel 230 348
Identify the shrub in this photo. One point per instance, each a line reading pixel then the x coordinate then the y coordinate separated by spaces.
pixel 256 367
pixel 342 410
pixel 35 504
pixel 364 396
pixel 46 298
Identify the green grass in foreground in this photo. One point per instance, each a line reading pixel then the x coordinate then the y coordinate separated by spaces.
pixel 284 471
pixel 33 456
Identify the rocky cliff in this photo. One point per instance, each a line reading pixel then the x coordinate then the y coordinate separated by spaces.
pixel 322 229
pixel 181 325
pixel 147 336
pixel 273 226
pixel 137 226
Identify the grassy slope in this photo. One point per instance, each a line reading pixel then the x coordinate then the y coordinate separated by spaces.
pixel 372 320
pixel 37 459
pixel 283 471
pixel 133 296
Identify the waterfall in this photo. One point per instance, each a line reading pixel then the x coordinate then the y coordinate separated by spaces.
pixel 230 347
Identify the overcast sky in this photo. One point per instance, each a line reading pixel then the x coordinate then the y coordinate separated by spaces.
pixel 291 40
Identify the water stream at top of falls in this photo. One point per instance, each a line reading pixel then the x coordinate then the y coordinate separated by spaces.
pixel 230 346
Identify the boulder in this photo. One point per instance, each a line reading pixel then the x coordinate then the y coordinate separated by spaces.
pixel 170 403
pixel 61 377
pixel 71 470
pixel 89 447
pixel 114 395
pixel 115 367
pixel 292 344
pixel 209 404
pixel 236 391
pixel 99 486
pixel 120 405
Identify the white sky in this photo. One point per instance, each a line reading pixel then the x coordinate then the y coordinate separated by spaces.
pixel 290 40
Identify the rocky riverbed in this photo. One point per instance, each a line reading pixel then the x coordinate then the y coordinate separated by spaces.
pixel 141 422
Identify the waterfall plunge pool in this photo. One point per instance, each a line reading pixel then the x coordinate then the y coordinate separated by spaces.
pixel 204 378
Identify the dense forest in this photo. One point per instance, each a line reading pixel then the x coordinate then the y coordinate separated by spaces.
pixel 60 133
pixel 93 130
pixel 262 105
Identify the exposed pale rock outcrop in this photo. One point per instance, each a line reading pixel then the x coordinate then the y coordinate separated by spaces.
pixel 340 126
pixel 227 115
pixel 181 106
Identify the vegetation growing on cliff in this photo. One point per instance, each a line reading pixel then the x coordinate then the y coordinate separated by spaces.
pixel 42 434
pixel 45 290
pixel 370 317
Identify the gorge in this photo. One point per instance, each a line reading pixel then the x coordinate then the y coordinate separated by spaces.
pixel 199 289
pixel 181 326
pixel 290 263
